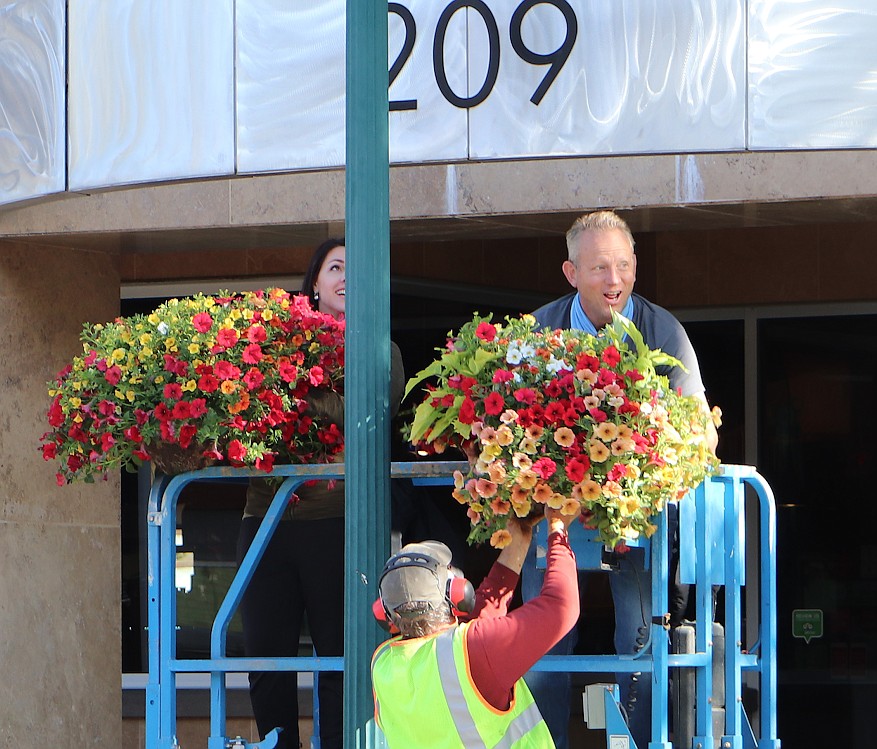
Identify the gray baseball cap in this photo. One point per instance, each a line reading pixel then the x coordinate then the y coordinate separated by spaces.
pixel 418 572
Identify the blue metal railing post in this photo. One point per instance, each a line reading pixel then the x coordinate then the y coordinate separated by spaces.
pixel 732 738
pixel 768 620
pixel 658 635
pixel 154 598
pixel 704 617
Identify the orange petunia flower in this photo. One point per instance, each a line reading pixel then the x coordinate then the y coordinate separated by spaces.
pixel 522 509
pixel 496 471
pixel 519 495
pixel 508 416
pixel 570 506
pixel 542 493
pixel 500 539
pixel 527 479
pixel 461 496
pixel 556 501
pixel 504 436
pixel 522 461
pixel 590 490
pixel 564 437
pixel 606 431
pixel 534 432
pixel 598 451
pixel 500 506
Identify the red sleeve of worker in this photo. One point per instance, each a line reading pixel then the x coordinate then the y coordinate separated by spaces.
pixel 503 648
pixel 494 594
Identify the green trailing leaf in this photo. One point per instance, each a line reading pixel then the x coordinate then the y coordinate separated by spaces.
pixel 424 417
pixel 433 370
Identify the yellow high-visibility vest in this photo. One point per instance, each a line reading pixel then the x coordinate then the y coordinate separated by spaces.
pixel 425 699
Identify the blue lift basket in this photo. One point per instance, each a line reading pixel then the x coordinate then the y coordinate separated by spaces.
pixel 713 535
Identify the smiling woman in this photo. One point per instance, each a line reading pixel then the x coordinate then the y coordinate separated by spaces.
pixel 324 280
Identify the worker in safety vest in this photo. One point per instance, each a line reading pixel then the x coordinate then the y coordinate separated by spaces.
pixel 448 684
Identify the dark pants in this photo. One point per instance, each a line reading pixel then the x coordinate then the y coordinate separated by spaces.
pixel 301 572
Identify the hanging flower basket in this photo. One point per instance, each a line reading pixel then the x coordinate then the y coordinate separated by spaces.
pixel 199 381
pixel 171 459
pixel 563 418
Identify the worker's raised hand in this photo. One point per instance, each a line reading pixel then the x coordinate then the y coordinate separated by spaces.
pixel 558 521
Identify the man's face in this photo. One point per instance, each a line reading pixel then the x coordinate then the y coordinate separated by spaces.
pixel 604 273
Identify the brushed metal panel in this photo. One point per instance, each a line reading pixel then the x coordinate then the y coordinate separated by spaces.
pixel 812 74
pixel 290 86
pixel 151 91
pixel 32 74
pixel 643 76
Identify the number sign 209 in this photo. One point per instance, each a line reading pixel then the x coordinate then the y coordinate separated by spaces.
pixel 555 60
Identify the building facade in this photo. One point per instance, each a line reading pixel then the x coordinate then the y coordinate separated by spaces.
pixel 152 149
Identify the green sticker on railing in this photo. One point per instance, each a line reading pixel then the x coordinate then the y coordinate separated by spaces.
pixel 807 623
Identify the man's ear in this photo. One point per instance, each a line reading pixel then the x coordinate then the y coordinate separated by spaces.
pixel 569 270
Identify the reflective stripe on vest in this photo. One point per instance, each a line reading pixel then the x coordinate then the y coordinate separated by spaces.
pixel 456 699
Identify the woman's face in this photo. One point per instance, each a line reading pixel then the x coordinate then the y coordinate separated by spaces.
pixel 330 284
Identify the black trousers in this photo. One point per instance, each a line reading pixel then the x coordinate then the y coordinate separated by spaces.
pixel 301 572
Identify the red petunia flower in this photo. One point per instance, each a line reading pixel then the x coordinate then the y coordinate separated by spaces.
pixel 525 395
pixel 467 411
pixel 544 468
pixel 227 337
pixel 253 378
pixel 182 410
pixel 610 356
pixel 202 322
pixel 486 332
pixel 208 383
pixel 237 453
pixel 252 353
pixel 265 462
pixel 256 334
pixel 494 404
pixel 172 391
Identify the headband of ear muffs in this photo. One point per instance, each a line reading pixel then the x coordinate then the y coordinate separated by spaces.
pixel 421 572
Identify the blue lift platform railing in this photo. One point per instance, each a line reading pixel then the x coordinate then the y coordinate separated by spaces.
pixel 712 553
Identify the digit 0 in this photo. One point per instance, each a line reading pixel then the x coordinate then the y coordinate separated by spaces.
pixel 438 56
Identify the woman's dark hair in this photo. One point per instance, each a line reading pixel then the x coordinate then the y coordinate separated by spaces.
pixel 316 265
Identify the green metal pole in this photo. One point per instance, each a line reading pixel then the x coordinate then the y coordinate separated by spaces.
pixel 367 372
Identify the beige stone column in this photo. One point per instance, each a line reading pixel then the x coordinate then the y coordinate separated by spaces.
pixel 59 546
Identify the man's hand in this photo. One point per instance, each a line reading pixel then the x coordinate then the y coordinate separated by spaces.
pixel 557 521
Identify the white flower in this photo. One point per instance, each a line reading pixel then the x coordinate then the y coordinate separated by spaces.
pixel 163 328
pixel 513 356
pixel 528 351
pixel 555 365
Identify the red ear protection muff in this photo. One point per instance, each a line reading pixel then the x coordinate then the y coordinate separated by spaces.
pixel 382 618
pixel 461 594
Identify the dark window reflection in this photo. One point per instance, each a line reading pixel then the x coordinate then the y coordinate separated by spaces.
pixel 720 352
pixel 817 446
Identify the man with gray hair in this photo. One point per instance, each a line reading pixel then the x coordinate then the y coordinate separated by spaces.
pixel 443 684
pixel 601 268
